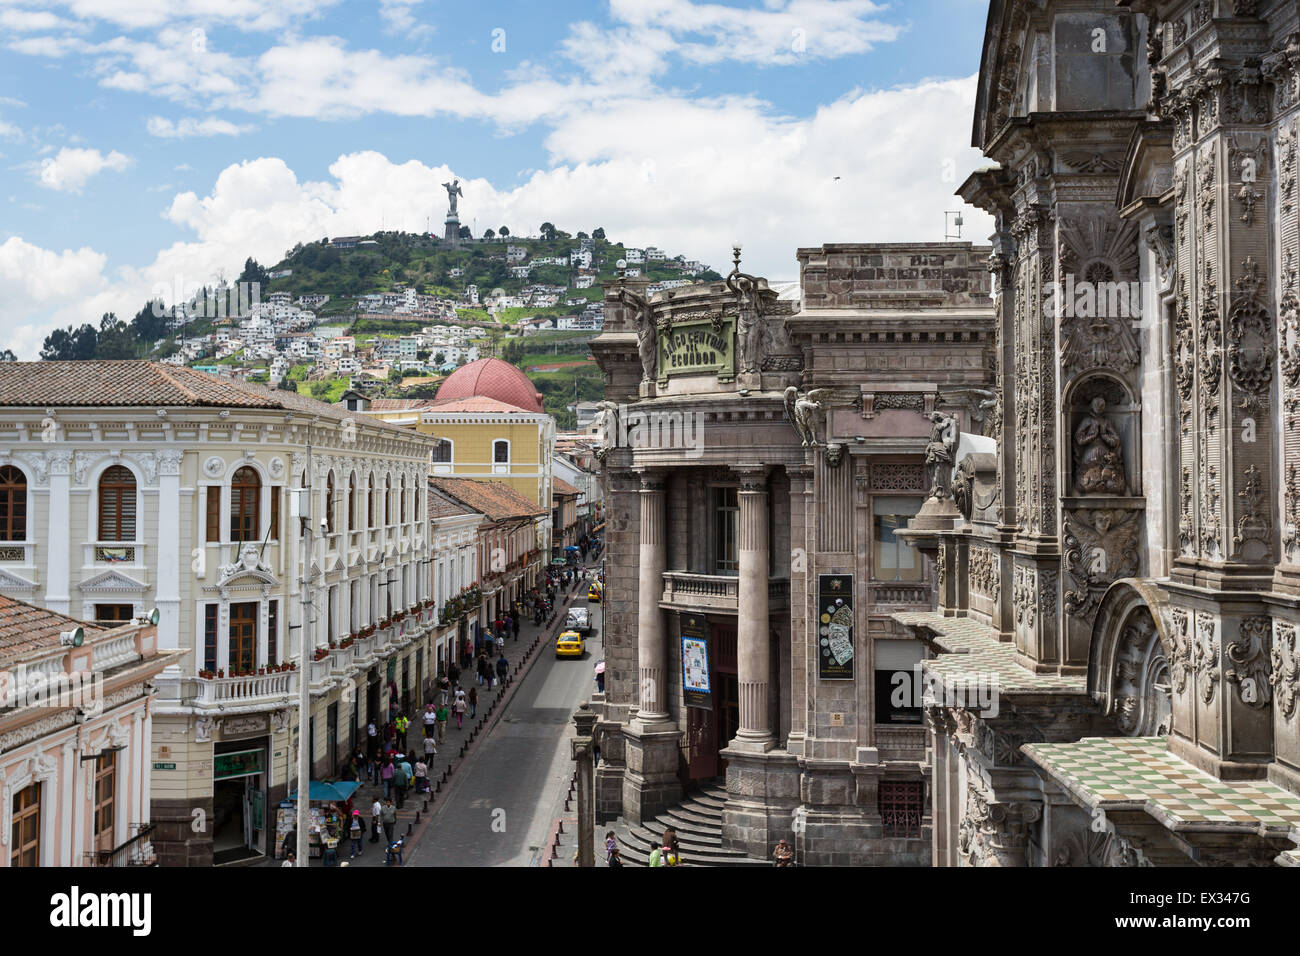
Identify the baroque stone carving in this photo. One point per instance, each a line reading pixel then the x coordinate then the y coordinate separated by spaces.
pixel 984 574
pixel 214 467
pixel 940 452
pixel 1141 681
pixel 1205 656
pixel 1099 453
pixel 1285 667
pixel 1251 666
pixel 1100 547
pixel 807 413
pixel 1180 657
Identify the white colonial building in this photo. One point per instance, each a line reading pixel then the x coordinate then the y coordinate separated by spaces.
pixel 131 485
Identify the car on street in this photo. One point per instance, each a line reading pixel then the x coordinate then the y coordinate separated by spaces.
pixel 569 644
pixel 595 591
pixel 579 619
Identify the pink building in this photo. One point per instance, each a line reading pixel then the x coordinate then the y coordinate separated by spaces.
pixel 75 738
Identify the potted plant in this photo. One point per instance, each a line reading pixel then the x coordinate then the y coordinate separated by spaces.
pixel 221 672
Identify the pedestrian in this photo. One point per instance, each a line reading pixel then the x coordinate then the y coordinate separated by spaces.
pixel 430 719
pixel 389 820
pixel 372 737
pixel 501 643
pixel 783 855
pixel 356 832
pixel 473 702
pixel 503 668
pixel 376 809
pixel 611 844
pixel 362 764
pixel 600 680
pixel 386 774
pixel 291 841
pixel 400 780
pixel 514 624
pixel 672 855
pixel 444 685
pixel 442 723
pixel 290 859
pixel 460 707
pixel 430 742
pixel 421 776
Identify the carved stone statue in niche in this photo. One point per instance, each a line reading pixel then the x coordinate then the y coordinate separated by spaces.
pixel 1098 453
pixel 940 452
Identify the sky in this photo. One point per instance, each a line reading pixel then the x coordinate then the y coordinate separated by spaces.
pixel 156 144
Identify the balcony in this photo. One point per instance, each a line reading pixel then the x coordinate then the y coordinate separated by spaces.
pixel 685 591
pixel 246 691
pixel 902 595
pixel 901 743
pixel 18 552
pixel 320 673
pixel 343 658
pixel 363 649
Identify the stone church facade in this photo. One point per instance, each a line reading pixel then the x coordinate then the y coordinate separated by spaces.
pixel 761 447
pixel 1125 571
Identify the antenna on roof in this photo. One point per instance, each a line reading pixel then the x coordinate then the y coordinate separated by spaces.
pixel 956 222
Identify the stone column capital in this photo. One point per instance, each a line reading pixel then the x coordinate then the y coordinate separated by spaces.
pixel 652 480
pixel 752 477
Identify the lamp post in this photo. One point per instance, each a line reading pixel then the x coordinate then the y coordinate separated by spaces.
pixel 301 508
pixel 585 721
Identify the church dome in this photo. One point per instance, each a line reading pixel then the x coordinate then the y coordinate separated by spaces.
pixel 491 378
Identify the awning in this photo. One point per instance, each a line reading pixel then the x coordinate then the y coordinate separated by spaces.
pixel 327 791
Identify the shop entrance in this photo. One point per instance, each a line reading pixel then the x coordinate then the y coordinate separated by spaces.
pixel 238 802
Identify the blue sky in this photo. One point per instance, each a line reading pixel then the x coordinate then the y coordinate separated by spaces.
pixel 149 143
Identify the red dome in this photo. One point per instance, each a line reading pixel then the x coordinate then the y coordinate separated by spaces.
pixel 492 378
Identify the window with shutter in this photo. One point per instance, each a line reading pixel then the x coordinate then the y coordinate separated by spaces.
pixel 117 505
pixel 13 504
pixel 245 505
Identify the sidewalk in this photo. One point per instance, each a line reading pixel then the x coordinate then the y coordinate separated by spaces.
pixel 413 818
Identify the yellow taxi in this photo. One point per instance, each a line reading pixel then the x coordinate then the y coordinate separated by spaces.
pixel 569 644
pixel 595 591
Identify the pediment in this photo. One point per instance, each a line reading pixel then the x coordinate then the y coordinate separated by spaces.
pixel 1148 169
pixel 112 581
pixel 15 582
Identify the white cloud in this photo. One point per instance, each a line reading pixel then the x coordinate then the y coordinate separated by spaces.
pixel 42 288
pixel 188 126
pixel 22 21
pixel 9 131
pixel 245 15
pixel 712 171
pixel 399 17
pixel 72 168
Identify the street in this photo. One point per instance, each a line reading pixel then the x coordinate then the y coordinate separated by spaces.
pixel 507 795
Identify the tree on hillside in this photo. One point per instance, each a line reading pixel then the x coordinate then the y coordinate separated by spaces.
pixel 253 272
pixel 63 345
pixel 598 232
pixel 560 234
pixel 115 339
pixel 548 231
pixel 582 235
pixel 503 232
pixel 465 233
pixel 489 234
pixel 8 356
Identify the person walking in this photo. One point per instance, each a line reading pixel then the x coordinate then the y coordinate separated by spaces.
pixel 442 723
pixel 356 832
pixel 473 702
pixel 444 685
pixel 514 624
pixel 402 724
pixel 430 719
pixel 501 643
pixel 389 820
pixel 460 707
pixel 291 842
pixel 503 668
pixel 400 780
pixel 421 777
pixel 376 810
pixel 386 774
pixel 430 742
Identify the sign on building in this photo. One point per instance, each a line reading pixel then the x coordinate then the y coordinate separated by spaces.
pixel 696 688
pixel 705 346
pixel 835 626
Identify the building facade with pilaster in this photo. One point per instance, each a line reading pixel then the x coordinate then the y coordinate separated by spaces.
pixel 1124 570
pixel 128 486
pixel 759 450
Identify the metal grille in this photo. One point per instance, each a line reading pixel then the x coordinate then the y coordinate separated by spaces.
pixel 902 804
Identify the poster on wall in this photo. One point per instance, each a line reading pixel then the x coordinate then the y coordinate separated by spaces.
pixel 835 626
pixel 696 689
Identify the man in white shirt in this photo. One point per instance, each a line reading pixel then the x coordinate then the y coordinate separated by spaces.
pixel 376 809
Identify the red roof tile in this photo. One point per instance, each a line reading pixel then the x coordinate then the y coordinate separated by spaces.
pixel 492 378
pixel 495 499
pixel 561 487
pixel 26 627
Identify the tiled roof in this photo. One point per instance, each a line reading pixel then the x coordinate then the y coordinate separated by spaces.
pixel 477 403
pixel 398 404
pixel 561 487
pixel 492 378
pixel 132 384
pixel 495 499
pixel 26 627
pixel 442 506
pixel 975 657
pixel 1140 771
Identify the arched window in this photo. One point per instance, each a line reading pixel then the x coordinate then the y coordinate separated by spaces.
pixel 245 505
pixel 501 452
pixel 329 504
pixel 370 505
pixel 388 500
pixel 402 499
pixel 13 504
pixel 352 501
pixel 117 505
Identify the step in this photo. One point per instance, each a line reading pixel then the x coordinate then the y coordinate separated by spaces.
pixel 687 827
pixel 707 801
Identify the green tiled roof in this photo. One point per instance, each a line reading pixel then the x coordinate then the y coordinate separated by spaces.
pixel 1140 772
pixel 973 652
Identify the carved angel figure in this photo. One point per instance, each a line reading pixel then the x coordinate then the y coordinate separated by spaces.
pixel 806 413
pixel 606 423
pixel 646 333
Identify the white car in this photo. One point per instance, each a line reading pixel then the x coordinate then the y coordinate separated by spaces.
pixel 579 620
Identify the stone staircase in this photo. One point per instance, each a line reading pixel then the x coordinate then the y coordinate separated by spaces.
pixel 698 822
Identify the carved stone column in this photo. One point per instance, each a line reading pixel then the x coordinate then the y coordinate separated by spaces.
pixel 652 657
pixel 753 631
